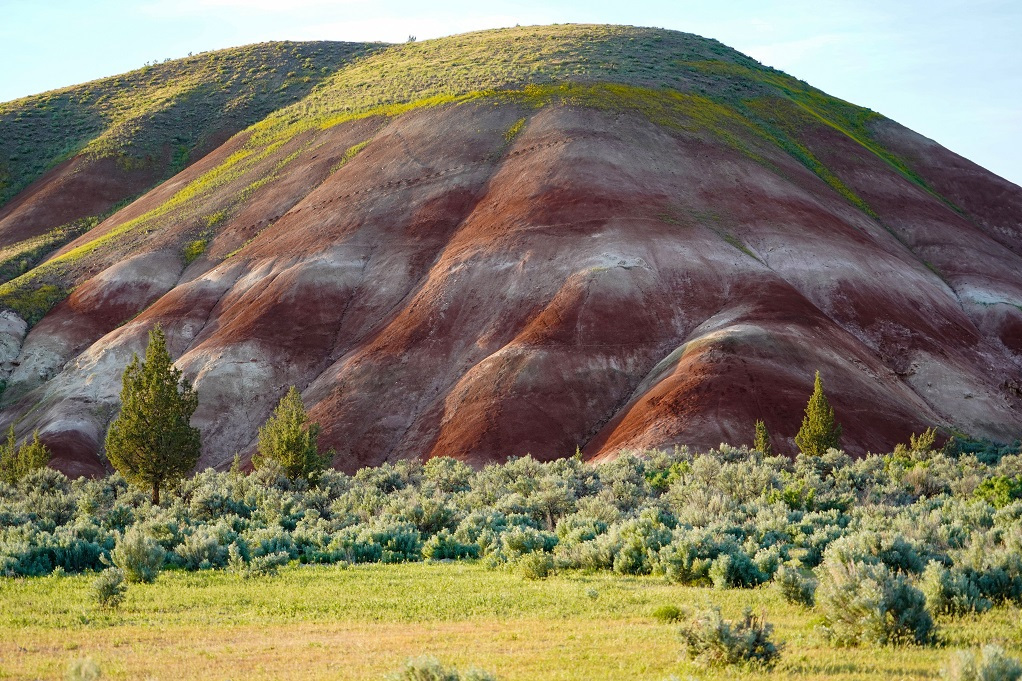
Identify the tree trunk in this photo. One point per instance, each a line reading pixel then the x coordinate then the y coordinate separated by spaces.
pixel 156 492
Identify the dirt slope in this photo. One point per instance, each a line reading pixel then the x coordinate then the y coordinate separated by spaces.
pixel 596 256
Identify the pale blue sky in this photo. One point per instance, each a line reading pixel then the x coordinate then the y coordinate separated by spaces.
pixel 947 69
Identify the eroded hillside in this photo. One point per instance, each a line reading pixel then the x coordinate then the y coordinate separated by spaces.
pixel 68 157
pixel 527 240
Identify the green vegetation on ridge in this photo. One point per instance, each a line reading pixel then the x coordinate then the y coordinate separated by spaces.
pixel 159 114
pixel 21 257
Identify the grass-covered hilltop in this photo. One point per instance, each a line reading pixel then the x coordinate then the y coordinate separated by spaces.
pixel 163 113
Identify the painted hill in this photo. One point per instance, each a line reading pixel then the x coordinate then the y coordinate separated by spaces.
pixel 69 156
pixel 527 240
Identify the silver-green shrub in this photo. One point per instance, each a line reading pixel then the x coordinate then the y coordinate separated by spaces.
pixel 138 555
pixel 713 641
pixel 636 543
pixel 430 669
pixel 865 603
pixel 108 589
pixel 82 669
pixel 255 566
pixel 446 475
pixel 735 569
pixel 888 548
pixel 518 541
pixel 535 565
pixel 950 592
pixel 355 545
pixel 399 541
pixel 795 587
pixel 202 549
pixel 444 546
pixel 990 665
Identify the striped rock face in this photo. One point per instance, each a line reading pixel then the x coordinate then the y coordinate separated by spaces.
pixel 606 266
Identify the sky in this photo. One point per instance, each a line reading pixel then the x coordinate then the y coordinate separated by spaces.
pixel 950 70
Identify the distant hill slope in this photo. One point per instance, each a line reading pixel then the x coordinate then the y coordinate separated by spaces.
pixel 89 147
pixel 539 238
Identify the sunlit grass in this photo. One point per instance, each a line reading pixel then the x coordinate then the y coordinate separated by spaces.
pixel 326 622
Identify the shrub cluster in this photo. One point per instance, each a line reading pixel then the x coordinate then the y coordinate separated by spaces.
pixel 795 587
pixel 83 669
pixel 990 665
pixel 108 589
pixel 896 539
pixel 138 555
pixel 713 641
pixel 430 669
pixel 868 603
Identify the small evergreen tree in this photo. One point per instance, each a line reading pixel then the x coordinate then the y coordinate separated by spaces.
pixel 819 431
pixel 923 443
pixel 762 441
pixel 18 461
pixel 291 441
pixel 151 442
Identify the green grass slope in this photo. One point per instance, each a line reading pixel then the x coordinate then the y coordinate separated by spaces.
pixel 677 79
pixel 167 109
pixel 484 62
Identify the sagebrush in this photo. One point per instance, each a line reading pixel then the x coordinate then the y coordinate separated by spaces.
pixel 714 641
pixel 723 517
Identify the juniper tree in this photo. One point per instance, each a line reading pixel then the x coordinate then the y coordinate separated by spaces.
pixel 18 461
pixel 819 431
pixel 762 441
pixel 151 441
pixel 289 439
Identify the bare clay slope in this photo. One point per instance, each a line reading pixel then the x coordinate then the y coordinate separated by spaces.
pixel 585 256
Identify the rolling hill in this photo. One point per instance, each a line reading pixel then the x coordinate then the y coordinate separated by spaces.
pixel 516 241
pixel 69 157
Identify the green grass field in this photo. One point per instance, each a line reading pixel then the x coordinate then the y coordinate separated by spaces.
pixel 327 622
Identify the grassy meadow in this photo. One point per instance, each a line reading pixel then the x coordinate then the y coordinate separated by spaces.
pixel 881 567
pixel 363 621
